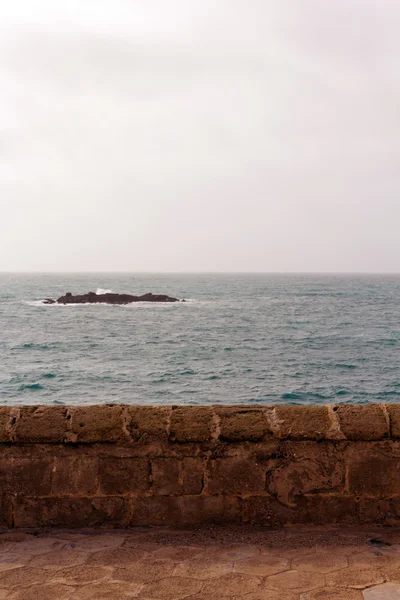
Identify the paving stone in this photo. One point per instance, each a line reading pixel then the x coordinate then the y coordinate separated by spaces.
pixel 296 580
pixel 234 584
pixel 387 591
pixel 177 553
pixel 39 545
pixel 44 592
pixel 95 543
pixel 145 571
pixel 11 560
pixel 320 562
pixel 23 576
pixel 62 558
pixel 262 565
pixel 6 545
pixel 215 595
pixel 88 574
pixel 355 578
pixel 332 594
pixel 116 558
pixel 368 559
pixel 234 553
pixel 171 588
pixel 105 591
pixel 392 571
pixel 203 569
pixel 267 594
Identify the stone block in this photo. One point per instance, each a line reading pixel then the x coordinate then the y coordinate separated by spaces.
pixel 69 512
pixel 26 476
pixel 329 509
pixel 305 468
pixel 6 511
pixel 210 510
pixel 192 476
pixel 166 475
pixel 41 424
pixel 374 510
pixel 99 423
pixel 394 416
pixel 266 511
pixel 365 423
pixel 171 476
pixel 186 511
pixel 233 476
pixel 148 420
pixel 191 424
pixel 120 476
pixel 5 417
pixel 372 472
pixel 394 512
pixel 75 476
pixel 156 510
pixel 242 424
pixel 301 422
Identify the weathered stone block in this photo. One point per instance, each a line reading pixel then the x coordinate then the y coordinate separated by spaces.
pixel 6 511
pixel 304 468
pixel 26 476
pixel 166 474
pixel 367 422
pixel 100 423
pixel 372 473
pixel 266 511
pixel 186 511
pixel 172 476
pixel 156 510
pixel 120 476
pixel 191 424
pixel 72 512
pixel 394 512
pixel 241 424
pixel 394 415
pixel 41 424
pixel 192 476
pixel 217 510
pixel 232 476
pixel 75 476
pixel 5 416
pixel 323 509
pixel 301 422
pixel 374 510
pixel 148 420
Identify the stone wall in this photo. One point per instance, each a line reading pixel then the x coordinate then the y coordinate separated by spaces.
pixel 120 466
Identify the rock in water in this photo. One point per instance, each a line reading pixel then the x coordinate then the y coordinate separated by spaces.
pixel 110 298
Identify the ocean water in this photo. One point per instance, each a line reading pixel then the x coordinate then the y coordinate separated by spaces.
pixel 239 339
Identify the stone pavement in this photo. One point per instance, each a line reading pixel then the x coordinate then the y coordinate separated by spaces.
pixel 209 564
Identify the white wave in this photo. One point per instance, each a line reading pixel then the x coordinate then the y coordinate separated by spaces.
pixel 101 291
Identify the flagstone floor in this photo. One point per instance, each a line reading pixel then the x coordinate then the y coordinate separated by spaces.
pixel 209 564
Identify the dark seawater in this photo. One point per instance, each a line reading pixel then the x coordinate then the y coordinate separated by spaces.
pixel 240 338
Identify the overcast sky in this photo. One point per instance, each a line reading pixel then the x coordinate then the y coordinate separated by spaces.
pixel 212 135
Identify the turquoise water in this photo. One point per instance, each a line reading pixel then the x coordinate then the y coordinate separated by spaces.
pixel 239 338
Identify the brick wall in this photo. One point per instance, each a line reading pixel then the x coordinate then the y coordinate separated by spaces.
pixel 119 466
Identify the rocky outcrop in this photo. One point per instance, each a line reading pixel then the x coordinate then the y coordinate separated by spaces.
pixel 110 298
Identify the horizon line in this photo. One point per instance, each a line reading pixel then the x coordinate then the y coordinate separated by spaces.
pixel 68 272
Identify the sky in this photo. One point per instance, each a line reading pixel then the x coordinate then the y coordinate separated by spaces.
pixel 185 136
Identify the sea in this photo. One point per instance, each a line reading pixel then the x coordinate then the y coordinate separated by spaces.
pixel 266 339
